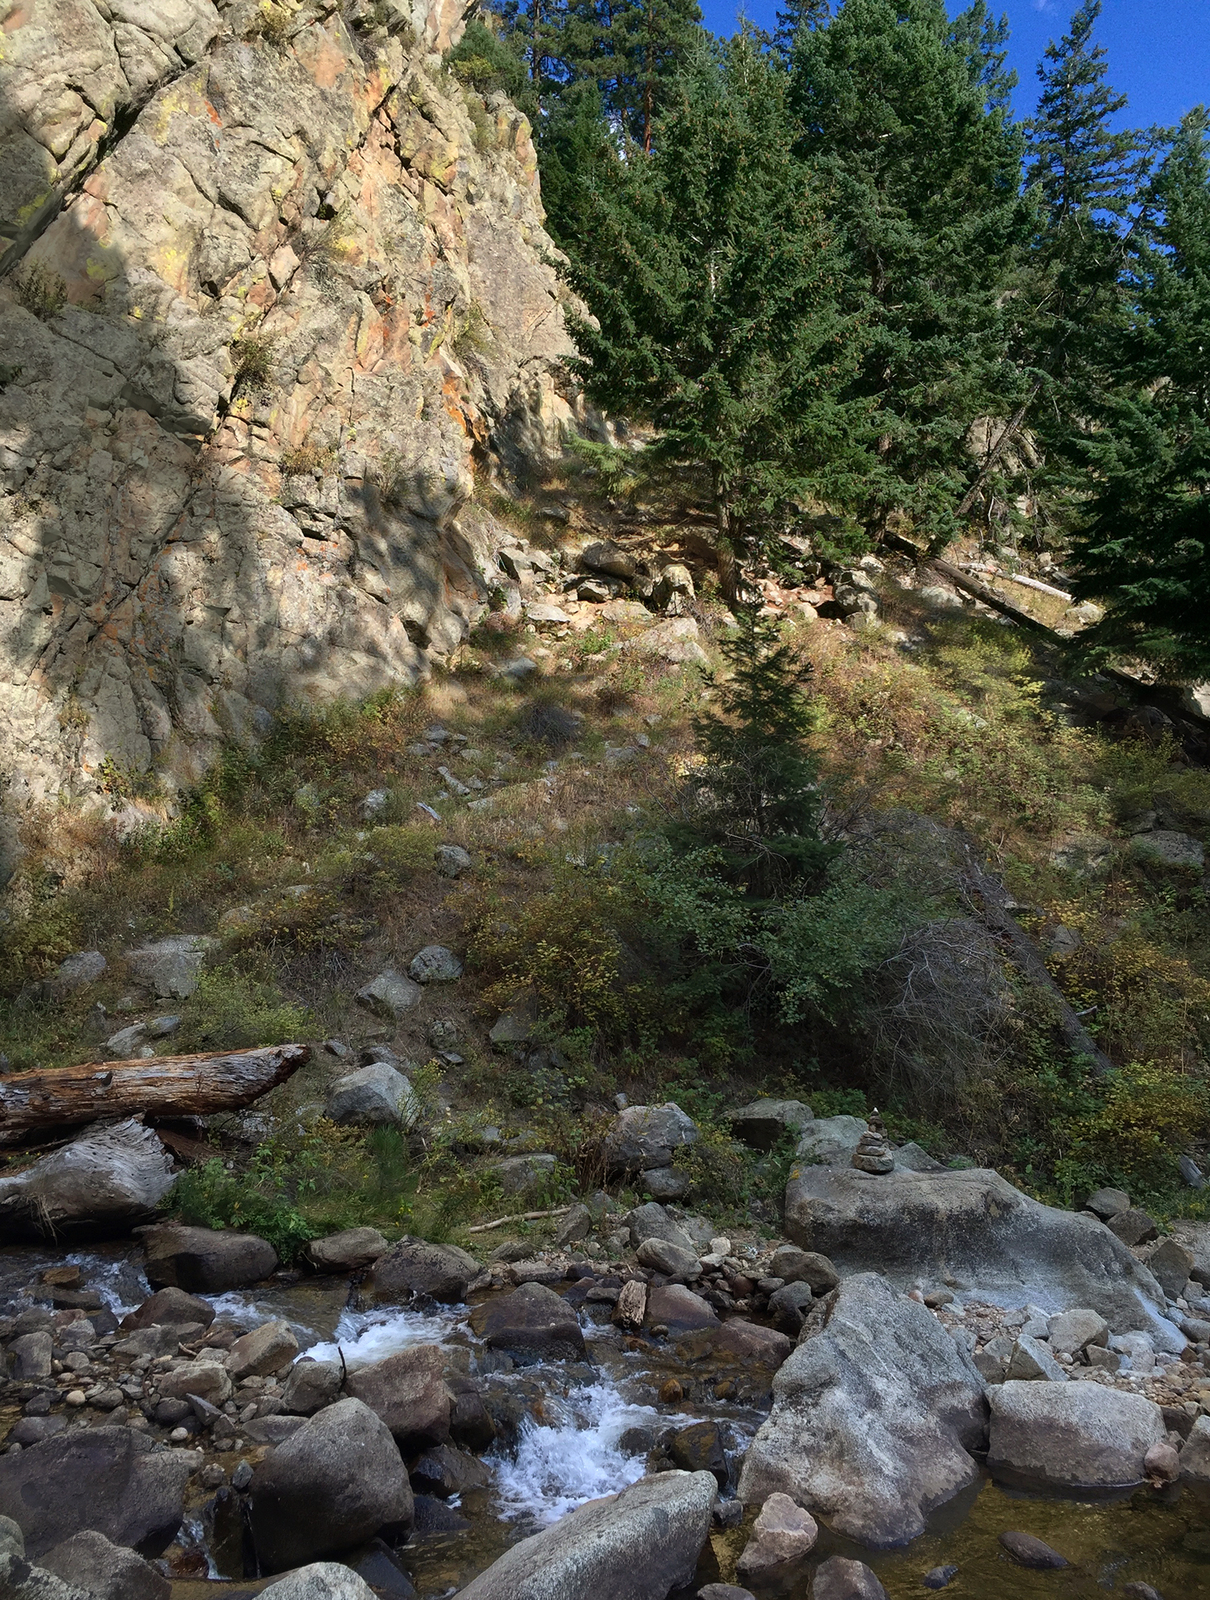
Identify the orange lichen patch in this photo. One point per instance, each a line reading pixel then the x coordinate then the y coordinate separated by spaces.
pixel 322 57
pixel 18 17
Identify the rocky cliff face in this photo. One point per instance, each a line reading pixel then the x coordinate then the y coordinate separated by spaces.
pixel 306 298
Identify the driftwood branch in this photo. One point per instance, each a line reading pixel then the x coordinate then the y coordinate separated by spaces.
pixel 518 1216
pixel 159 1086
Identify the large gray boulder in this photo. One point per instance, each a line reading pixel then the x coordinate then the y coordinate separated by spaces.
pixel 372 1095
pixel 647 1136
pixel 830 1141
pixel 105 1571
pixel 1070 1436
pixel 105 1182
pixel 390 995
pixel 110 1480
pixel 407 1391
pixel 874 1416
pixel 348 1251
pixel 763 1122
pixel 636 1545
pixel 335 1483
pixel 205 1260
pixel 532 1323
pixel 322 1580
pixel 171 968
pixel 414 1268
pixel 975 1227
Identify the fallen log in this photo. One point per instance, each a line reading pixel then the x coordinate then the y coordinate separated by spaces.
pixel 158 1086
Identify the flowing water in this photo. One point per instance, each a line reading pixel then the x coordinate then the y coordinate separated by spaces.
pixel 570 1446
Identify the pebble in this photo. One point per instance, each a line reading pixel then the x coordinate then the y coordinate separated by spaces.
pixel 179 1435
pixel 74 1397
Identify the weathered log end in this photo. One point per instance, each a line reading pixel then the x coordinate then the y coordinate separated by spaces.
pixel 158 1086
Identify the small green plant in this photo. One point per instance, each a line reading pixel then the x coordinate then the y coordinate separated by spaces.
pixel 306 458
pixel 273 23
pixel 474 334
pixel 235 1010
pixel 253 364
pixel 209 1196
pixel 40 290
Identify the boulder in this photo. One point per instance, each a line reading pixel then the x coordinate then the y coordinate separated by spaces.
pixel 407 1391
pixel 77 972
pixel 171 968
pixel 311 1386
pixel 973 1225
pixel 205 1260
pixel 911 1158
pixel 762 1123
pixel 107 1480
pixel 435 964
pixel 644 1137
pixel 636 1545
pixel 105 1182
pixel 105 1571
pixel 348 1251
pixel 1071 1332
pixel 1195 1454
pixel 444 1472
pixel 1106 1203
pixel 752 1343
pixel 874 1417
pixel 664 1183
pixel 609 558
pixel 794 1265
pixel 1195 1236
pixel 1070 1436
pixel 1030 1361
pixel 169 1308
pixel 1171 1265
pixel 265 1350
pixel 413 1268
pixel 206 1379
pixel 1027 1551
pixel 452 860
pixel 390 995
pixel 660 1256
pixel 789 1305
pixel 1169 852
pixel 699 1448
pixel 782 1534
pixel 830 1141
pixel 321 1580
pixel 837 1578
pixel 329 1487
pixel 372 1095
pixel 651 1221
pixel 1133 1227
pixel 532 1323
pixel 678 1309
pixel 518 1174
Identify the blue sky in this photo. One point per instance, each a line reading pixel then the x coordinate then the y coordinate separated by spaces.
pixel 1159 50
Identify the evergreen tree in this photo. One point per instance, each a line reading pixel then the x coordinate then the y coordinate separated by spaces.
pixel 904 115
pixel 758 796
pixel 1144 544
pixel 797 19
pixel 711 281
pixel 1085 176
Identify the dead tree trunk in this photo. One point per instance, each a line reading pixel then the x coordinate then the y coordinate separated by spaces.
pixel 160 1086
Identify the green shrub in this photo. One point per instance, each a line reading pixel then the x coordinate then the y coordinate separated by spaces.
pixel 253 364
pixel 40 290
pixel 233 1009
pixel 211 1197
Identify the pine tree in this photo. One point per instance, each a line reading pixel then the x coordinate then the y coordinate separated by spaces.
pixel 903 115
pixel 797 19
pixel 711 281
pixel 758 790
pixel 1086 177
pixel 1144 544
